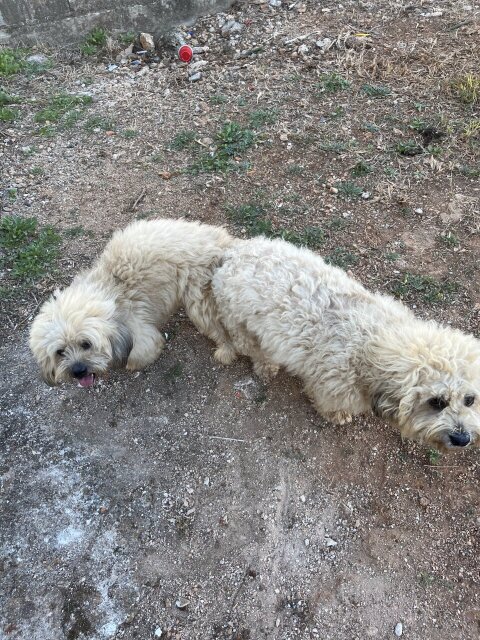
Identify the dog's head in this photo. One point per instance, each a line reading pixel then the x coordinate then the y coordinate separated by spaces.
pixel 78 335
pixel 432 391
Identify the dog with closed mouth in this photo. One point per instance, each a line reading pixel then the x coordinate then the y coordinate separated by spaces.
pixel 112 315
pixel 354 350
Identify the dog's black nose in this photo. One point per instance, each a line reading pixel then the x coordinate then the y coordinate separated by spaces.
pixel 79 370
pixel 459 438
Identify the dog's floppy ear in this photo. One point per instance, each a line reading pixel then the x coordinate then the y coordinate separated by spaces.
pixel 122 342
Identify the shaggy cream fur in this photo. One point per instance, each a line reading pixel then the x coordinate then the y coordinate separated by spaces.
pixel 112 315
pixel 355 351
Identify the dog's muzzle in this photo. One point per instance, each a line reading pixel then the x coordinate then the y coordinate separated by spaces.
pixel 459 438
pixel 80 372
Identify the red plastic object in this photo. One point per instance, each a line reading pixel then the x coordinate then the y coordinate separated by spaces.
pixel 185 53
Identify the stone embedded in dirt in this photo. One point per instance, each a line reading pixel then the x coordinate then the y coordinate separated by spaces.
pixel 146 40
pixel 324 44
pixel 182 603
pixel 330 542
pixel 398 629
pixel 275 3
pixel 37 58
pixel 158 632
pixel 195 77
pixel 230 27
pixel 196 66
pixel 303 49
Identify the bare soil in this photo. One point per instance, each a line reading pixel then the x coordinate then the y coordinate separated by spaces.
pixel 190 501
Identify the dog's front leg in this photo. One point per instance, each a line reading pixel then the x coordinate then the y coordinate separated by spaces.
pixel 147 346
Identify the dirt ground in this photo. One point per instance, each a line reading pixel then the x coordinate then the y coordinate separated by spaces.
pixel 190 501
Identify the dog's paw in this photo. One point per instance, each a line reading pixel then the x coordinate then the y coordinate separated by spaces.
pixel 338 417
pixel 225 354
pixel 265 371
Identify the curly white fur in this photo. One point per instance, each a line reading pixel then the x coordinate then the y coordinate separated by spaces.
pixel 112 315
pixel 355 351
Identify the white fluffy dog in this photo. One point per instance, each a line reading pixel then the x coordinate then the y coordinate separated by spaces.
pixel 354 350
pixel 111 316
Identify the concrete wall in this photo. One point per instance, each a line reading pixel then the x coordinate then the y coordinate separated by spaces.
pixel 64 21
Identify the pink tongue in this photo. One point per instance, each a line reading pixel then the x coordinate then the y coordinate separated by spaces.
pixel 87 381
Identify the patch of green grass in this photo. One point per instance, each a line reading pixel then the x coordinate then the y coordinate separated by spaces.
pixel 295 169
pixel 333 82
pixel 469 171
pixel 336 146
pixel 426 579
pixel 218 98
pixel 183 139
pixel 311 237
pixel 78 232
pixel 231 141
pixel 375 90
pixel 434 456
pixel 47 131
pixel 342 257
pixel 408 148
pixel 126 38
pixel 361 169
pixel 262 117
pixel 37 171
pixel 7 114
pixel 129 133
pixel 252 216
pixel 6 99
pixel 348 189
pixel 392 256
pixel 467 88
pixel 337 223
pixel 430 291
pixel 29 251
pixel 449 239
pixel 95 40
pixel 99 122
pixel 175 372
pixel 11 61
pixel 60 105
pixel 12 194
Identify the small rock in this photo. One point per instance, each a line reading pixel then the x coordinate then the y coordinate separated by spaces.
pixel 275 3
pixel 303 49
pixel 307 542
pixel 330 542
pixel 419 210
pixel 196 66
pixel 231 26
pixel 206 481
pixel 195 77
pixel 324 44
pixel 182 603
pixel 333 190
pixel 112 67
pixel 284 137
pixel 158 632
pixel 398 629
pixel 366 195
pixel 37 58
pixel 146 40
pixel 302 498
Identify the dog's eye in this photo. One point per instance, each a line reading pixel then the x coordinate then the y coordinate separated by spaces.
pixel 60 352
pixel 469 400
pixel 85 345
pixel 438 404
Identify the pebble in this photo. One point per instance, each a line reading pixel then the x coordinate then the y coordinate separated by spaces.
pixel 366 195
pixel 330 542
pixel 182 603
pixel 303 49
pixel 158 632
pixel 195 77
pixel 37 58
pixel 275 3
pixel 232 26
pixel 398 629
pixel 419 210
pixel 324 44
pixel 307 542
pixel 146 40
pixel 302 498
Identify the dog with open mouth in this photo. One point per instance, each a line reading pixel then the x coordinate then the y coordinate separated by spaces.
pixel 111 316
